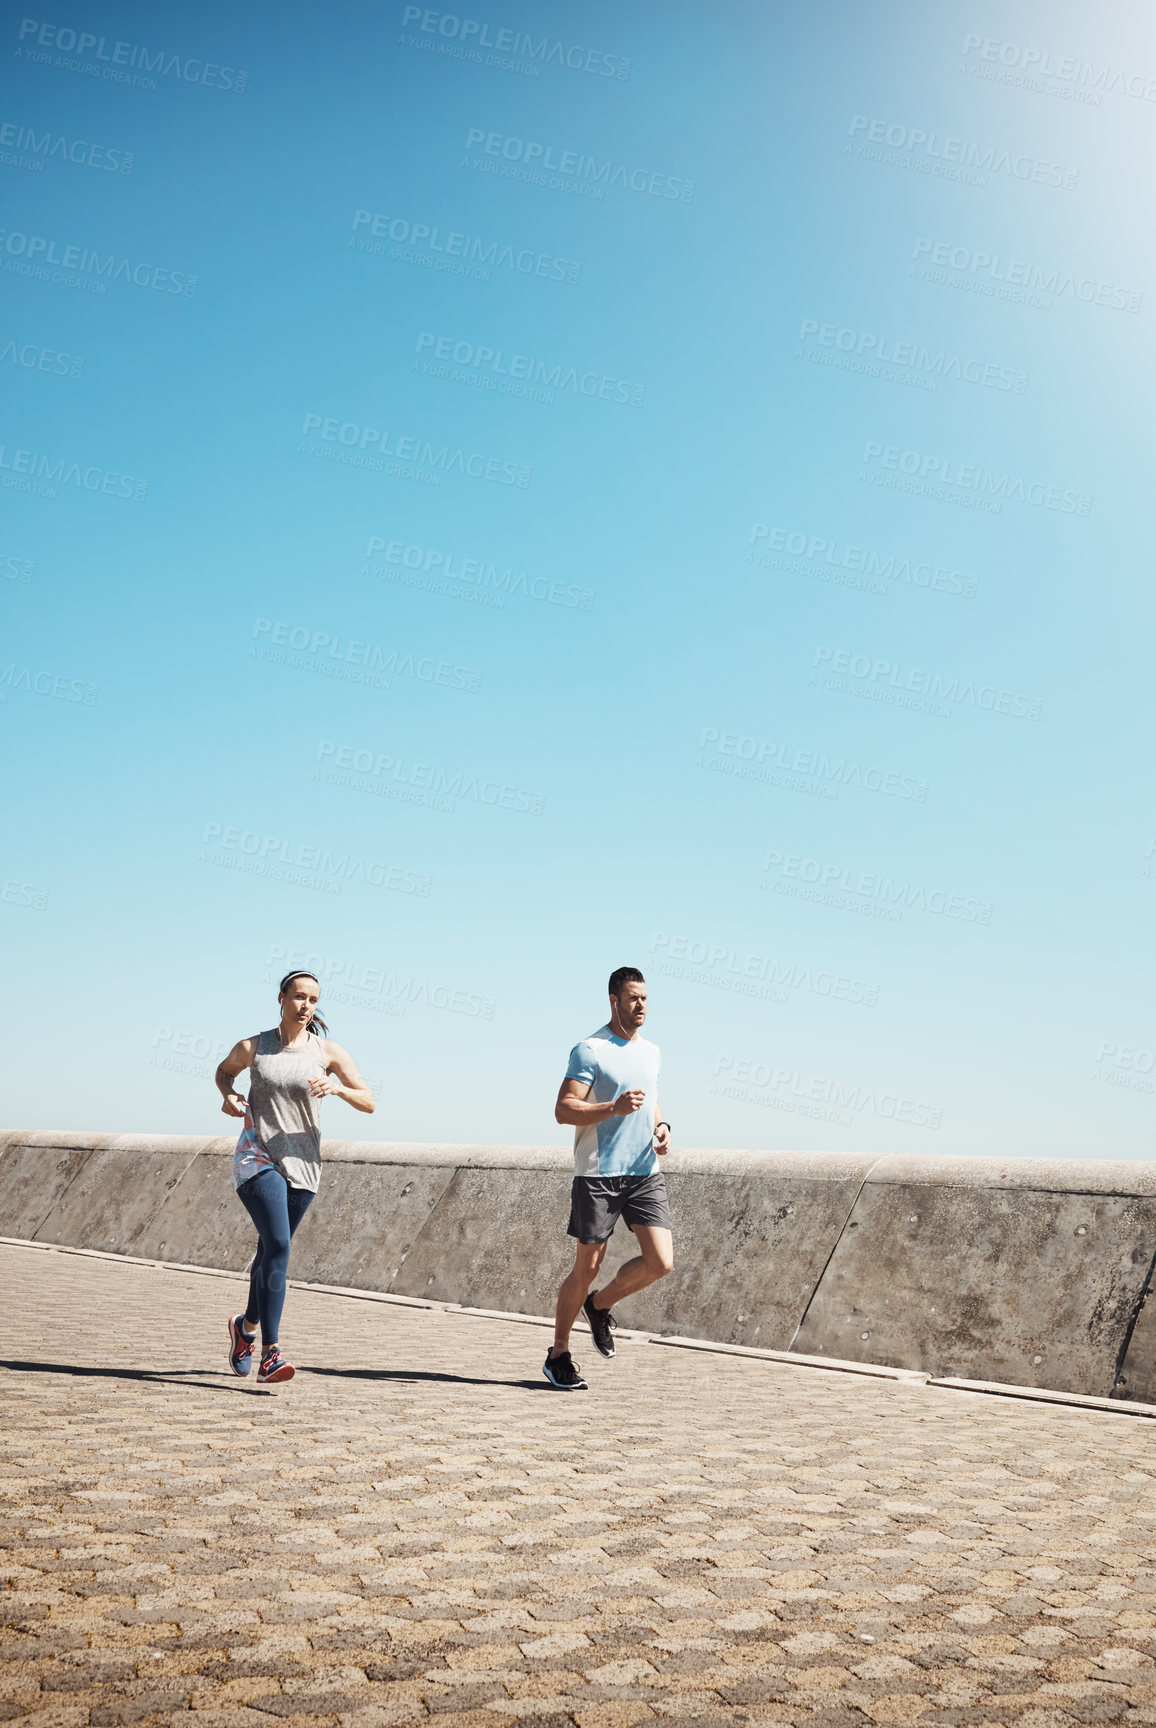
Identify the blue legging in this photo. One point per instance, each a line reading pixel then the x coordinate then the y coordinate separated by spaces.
pixel 276 1209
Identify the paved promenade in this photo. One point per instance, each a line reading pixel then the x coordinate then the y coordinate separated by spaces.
pixel 419 1527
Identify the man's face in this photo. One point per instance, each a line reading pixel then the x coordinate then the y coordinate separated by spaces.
pixel 631 1005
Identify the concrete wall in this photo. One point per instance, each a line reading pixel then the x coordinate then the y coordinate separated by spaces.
pixel 1028 1271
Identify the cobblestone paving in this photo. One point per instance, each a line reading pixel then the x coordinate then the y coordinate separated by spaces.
pixel 419 1527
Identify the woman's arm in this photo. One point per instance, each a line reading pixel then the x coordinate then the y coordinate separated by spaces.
pixel 349 1085
pixel 239 1058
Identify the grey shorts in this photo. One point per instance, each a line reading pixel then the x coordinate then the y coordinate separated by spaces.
pixel 598 1202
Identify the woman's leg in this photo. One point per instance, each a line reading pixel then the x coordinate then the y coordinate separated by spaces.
pixel 252 1306
pixel 298 1201
pixel 265 1198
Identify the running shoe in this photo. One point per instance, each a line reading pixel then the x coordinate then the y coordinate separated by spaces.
pixel 602 1325
pixel 274 1368
pixel 240 1346
pixel 562 1371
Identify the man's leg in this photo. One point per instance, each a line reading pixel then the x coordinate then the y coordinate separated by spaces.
pixel 588 1257
pixel 655 1258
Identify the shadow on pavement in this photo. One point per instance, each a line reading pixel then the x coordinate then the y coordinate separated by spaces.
pixel 206 1379
pixel 211 1378
pixel 424 1374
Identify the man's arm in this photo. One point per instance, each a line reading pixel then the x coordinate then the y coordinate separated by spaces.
pixel 576 1107
pixel 661 1132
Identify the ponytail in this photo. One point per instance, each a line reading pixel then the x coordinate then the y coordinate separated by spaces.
pixel 317 1024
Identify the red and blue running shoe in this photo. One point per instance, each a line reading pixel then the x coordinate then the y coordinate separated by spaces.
pixel 240 1346
pixel 274 1368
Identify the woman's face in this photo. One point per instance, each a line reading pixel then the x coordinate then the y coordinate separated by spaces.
pixel 298 1000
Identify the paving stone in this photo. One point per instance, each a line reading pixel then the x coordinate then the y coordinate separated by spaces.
pixel 415 1529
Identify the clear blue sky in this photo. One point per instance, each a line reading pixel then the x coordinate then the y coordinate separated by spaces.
pixel 624 486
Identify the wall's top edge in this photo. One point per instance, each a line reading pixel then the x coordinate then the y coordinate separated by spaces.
pixel 445 1155
pixel 818 1166
pixel 1066 1175
pixel 690 1160
pixel 339 1151
pixel 66 1140
pixel 60 1140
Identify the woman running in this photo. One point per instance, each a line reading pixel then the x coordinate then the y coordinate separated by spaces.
pixel 277 1164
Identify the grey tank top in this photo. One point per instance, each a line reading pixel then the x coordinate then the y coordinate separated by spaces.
pixel 286 1116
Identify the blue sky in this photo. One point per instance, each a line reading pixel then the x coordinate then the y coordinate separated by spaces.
pixel 576 467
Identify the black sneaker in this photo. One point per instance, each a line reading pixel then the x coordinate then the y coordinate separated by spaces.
pixel 602 1324
pixel 562 1371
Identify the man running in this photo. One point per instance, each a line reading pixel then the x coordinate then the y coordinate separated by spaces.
pixel 610 1095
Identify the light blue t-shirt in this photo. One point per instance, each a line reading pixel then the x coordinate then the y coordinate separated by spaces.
pixel 610 1065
